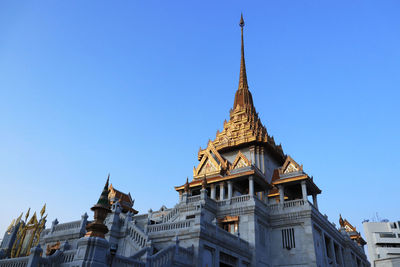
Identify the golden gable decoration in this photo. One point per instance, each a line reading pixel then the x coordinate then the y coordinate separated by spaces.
pixel 240 161
pixel 290 166
pixel 211 162
pixel 28 234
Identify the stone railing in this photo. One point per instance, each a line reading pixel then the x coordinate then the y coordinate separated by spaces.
pixel 240 199
pixel 223 202
pixel 293 203
pixel 193 199
pixel 137 235
pixel 15 262
pixel 226 237
pixel 170 226
pixel 67 226
pixel 171 214
pixel 163 258
pixel 122 261
pixel 68 256
pixel 233 200
pixel 287 205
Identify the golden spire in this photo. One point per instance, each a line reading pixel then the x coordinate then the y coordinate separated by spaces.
pixel 243 75
pixel 243 96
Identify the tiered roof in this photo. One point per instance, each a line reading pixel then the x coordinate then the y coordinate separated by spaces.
pixel 244 125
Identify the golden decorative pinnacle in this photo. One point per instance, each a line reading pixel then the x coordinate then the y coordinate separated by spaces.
pixel 43 210
pixel 27 214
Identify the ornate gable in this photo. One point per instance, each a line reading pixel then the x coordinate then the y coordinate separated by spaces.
pixel 211 162
pixel 346 225
pixel 240 161
pixel 290 166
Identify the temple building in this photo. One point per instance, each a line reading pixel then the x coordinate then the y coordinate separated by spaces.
pixel 247 204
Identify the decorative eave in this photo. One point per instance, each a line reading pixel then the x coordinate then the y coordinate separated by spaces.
pixel 210 180
pixel 352 230
pixel 295 179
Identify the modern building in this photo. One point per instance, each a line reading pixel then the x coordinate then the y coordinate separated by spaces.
pixel 246 205
pixel 383 240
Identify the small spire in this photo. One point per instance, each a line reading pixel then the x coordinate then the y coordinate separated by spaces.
pixel 186 188
pixel 103 200
pixel 204 182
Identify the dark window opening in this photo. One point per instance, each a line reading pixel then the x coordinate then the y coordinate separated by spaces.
pixel 288 240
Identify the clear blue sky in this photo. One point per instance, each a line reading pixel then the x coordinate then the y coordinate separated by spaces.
pixel 135 87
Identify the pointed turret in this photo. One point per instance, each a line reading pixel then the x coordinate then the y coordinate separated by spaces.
pixel 243 96
pixel 101 209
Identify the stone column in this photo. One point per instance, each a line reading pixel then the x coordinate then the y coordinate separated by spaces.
pixel 315 202
pixel 221 191
pixel 281 194
pixel 262 160
pixel 304 191
pixel 213 191
pixel 229 189
pixel 251 185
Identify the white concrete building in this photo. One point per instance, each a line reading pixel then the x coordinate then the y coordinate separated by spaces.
pixel 383 239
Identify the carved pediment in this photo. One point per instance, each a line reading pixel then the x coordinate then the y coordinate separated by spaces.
pixel 290 166
pixel 211 162
pixel 208 167
pixel 240 161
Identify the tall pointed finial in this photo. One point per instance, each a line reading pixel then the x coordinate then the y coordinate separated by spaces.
pixel 243 75
pixel 243 96
pixel 43 210
pixel 186 188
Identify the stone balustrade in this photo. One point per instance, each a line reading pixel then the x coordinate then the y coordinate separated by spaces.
pixel 226 237
pixel 67 226
pixel 68 256
pixel 137 235
pixel 15 262
pixel 170 226
pixel 121 261
pixel 286 206
pixel 171 214
pixel 193 199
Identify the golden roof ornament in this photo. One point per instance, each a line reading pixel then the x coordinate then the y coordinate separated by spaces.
pixel 27 214
pixel 43 210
